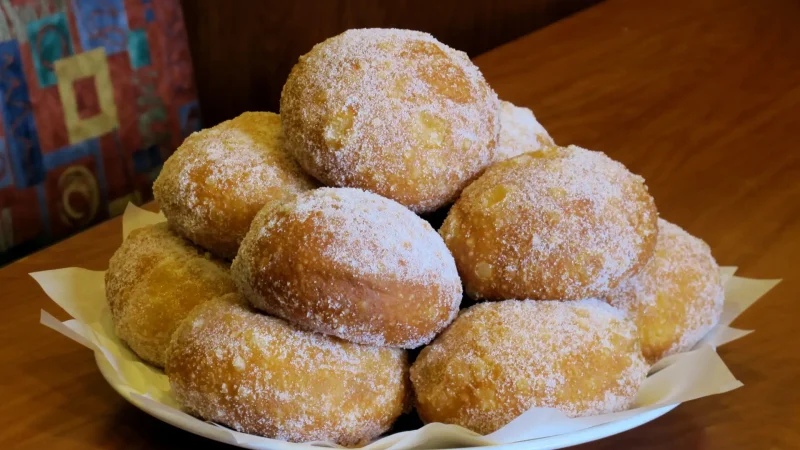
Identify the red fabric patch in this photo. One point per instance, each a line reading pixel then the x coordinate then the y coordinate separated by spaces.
pixel 26 222
pixel 169 48
pixel 118 166
pixel 86 97
pixel 135 11
pixel 125 97
pixel 47 109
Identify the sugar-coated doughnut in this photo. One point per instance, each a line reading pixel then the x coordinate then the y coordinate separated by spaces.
pixel 352 264
pixel 499 359
pixel 260 375
pixel 559 224
pixel 677 298
pixel 153 281
pixel 219 178
pixel 395 112
pixel 520 132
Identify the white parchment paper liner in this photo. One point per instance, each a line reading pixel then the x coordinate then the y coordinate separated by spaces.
pixel 676 379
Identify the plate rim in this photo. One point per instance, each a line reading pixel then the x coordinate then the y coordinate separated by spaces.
pixel 551 442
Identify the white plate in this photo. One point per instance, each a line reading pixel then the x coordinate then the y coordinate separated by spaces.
pixel 220 434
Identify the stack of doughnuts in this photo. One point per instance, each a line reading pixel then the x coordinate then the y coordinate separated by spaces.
pixel 294 272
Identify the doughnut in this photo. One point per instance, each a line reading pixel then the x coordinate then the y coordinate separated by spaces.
pixel 352 264
pixel 677 298
pixel 258 374
pixel 519 132
pixel 558 224
pixel 499 359
pixel 154 279
pixel 394 112
pixel 219 178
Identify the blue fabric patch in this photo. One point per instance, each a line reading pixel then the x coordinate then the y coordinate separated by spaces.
pixel 71 153
pixel 102 23
pixel 138 49
pixel 190 120
pixel 50 41
pixel 44 212
pixel 18 121
pixel 5 166
pixel 146 159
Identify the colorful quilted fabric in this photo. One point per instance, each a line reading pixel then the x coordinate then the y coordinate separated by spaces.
pixel 95 95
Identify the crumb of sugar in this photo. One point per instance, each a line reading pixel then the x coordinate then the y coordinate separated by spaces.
pixel 520 132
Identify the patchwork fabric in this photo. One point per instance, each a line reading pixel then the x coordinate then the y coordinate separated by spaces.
pixel 94 96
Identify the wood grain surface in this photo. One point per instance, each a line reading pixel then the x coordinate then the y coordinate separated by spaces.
pixel 242 50
pixel 701 98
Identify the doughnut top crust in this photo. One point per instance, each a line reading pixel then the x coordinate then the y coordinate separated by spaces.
pixel 258 374
pixel 372 236
pixel 392 111
pixel 350 263
pixel 219 178
pixel 677 298
pixel 561 223
pixel 499 359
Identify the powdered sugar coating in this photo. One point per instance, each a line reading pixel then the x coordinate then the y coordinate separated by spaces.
pixel 154 279
pixel 350 263
pixel 259 375
pixel 677 298
pixel 499 359
pixel 392 111
pixel 520 132
pixel 219 178
pixel 561 223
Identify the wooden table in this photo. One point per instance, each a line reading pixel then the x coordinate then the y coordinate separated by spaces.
pixel 701 98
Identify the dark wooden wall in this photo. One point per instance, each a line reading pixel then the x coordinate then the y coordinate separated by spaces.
pixel 243 49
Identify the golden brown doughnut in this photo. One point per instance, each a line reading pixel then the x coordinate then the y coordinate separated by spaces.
pixel 352 264
pixel 561 223
pixel 499 359
pixel 677 298
pixel 219 178
pixel 259 375
pixel 153 281
pixel 520 132
pixel 395 112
